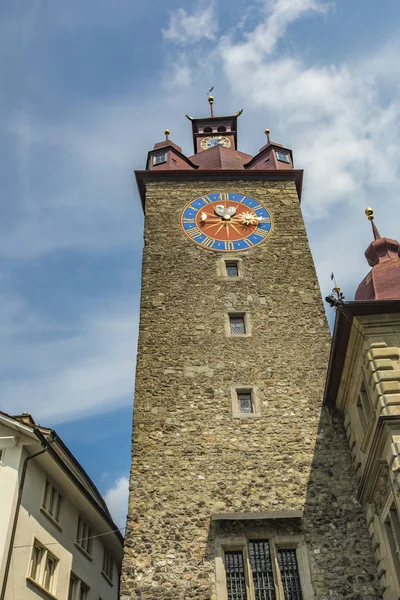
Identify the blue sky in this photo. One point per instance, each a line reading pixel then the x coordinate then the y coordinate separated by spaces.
pixel 87 88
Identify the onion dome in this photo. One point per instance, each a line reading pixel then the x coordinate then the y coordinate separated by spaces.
pixel 383 281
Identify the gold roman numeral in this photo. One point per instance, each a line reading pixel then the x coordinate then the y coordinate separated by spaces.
pixel 208 242
pixel 194 233
pixel 229 246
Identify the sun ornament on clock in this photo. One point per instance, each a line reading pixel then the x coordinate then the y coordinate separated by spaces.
pixel 226 222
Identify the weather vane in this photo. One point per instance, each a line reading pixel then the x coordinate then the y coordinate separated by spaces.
pixel 211 100
pixel 336 297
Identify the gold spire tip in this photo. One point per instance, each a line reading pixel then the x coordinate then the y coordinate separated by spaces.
pixel 167 131
pixel 211 99
pixel 267 131
pixel 370 213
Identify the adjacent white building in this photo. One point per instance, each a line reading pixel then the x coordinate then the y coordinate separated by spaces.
pixel 57 537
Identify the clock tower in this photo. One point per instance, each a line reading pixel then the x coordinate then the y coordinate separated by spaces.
pixel 242 486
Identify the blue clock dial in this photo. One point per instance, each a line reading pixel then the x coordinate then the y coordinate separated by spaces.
pixel 226 222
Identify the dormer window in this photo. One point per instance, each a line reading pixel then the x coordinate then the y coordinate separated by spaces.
pixel 207 129
pixel 283 157
pixel 221 129
pixel 158 159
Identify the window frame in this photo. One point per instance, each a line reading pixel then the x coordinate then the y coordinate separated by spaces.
pixel 108 566
pixel 391 552
pixel 86 548
pixel 222 267
pixel 246 321
pixel 54 494
pixel 255 401
pixel 280 154
pixel 39 577
pixel 159 159
pixel 276 542
pixel 79 585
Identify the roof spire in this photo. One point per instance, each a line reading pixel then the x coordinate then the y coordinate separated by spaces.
pixel 370 214
pixel 267 132
pixel 211 101
pixel 167 132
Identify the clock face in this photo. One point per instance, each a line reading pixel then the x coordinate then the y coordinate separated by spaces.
pixel 215 140
pixel 226 222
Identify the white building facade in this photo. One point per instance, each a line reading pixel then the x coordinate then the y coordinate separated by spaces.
pixel 57 538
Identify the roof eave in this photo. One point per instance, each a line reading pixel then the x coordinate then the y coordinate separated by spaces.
pixel 341 336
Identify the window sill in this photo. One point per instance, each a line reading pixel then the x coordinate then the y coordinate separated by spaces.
pixel 41 588
pixel 232 336
pixel 83 551
pixel 52 519
pixel 106 577
pixel 252 415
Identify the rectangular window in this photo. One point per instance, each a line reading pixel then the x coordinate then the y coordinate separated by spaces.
pixel 237 324
pixel 83 536
pixel 51 501
pixel 43 567
pixel 78 590
pixel 232 269
pixel 235 578
pixel 107 565
pixel 266 572
pixel 261 570
pixel 283 157
pixel 290 575
pixel 159 158
pixel 245 402
pixel 73 587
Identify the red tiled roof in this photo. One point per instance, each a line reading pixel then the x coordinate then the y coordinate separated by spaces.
pixel 220 157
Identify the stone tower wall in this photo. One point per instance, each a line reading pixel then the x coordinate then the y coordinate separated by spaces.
pixel 191 457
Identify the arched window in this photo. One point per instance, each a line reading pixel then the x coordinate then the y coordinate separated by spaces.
pixel 221 129
pixel 207 129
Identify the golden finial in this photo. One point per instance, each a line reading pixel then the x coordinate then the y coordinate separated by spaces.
pixel 267 132
pixel 211 99
pixel 370 213
pixel 167 132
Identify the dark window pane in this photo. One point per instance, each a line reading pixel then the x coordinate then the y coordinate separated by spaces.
pixel 245 405
pixel 232 269
pixel 237 325
pixel 261 568
pixel 235 579
pixel 289 574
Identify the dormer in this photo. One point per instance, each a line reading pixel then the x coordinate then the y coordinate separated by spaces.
pixel 167 155
pixel 272 156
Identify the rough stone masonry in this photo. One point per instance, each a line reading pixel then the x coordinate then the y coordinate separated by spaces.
pixel 191 457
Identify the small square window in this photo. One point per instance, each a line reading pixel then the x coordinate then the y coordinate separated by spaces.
pixel 237 324
pixel 245 402
pixel 283 157
pixel 232 269
pixel 158 159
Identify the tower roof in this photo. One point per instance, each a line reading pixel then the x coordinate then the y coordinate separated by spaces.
pixel 383 281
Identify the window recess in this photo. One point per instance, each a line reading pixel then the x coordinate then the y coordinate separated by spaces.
pixel 261 570
pixel 83 536
pixel 43 568
pixel 51 501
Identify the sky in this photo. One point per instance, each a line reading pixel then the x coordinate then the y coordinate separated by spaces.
pixel 86 89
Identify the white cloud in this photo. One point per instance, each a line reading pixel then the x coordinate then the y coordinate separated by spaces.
pixel 116 498
pixel 60 372
pixel 185 28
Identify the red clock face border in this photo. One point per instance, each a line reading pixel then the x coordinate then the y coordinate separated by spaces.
pixel 226 222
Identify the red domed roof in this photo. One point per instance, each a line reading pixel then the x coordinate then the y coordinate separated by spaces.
pixel 383 281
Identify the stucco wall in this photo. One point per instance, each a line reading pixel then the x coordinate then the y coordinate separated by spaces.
pixel 34 524
pixel 9 469
pixel 191 458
